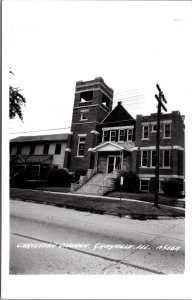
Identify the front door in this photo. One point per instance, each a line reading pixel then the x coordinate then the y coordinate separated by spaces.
pixel 113 163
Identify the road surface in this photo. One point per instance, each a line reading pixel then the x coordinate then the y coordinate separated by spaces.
pixel 51 240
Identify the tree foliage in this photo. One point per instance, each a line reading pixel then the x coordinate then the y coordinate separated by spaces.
pixel 16 101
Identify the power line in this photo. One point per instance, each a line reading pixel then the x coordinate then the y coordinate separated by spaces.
pixel 129 92
pixel 39 130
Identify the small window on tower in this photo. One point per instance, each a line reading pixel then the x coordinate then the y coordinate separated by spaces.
pixel 81 146
pixel 83 116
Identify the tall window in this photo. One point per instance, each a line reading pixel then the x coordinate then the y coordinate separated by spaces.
pixel 58 149
pixel 130 134
pixel 32 149
pixel 46 149
pixel 144 158
pixel 167 130
pixel 166 158
pixel 153 158
pixel 145 132
pixel 113 136
pixel 121 135
pixel 81 146
pixel 105 136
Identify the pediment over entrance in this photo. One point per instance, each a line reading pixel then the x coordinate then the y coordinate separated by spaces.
pixel 108 146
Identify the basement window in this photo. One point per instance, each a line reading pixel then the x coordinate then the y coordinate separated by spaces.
pixel 144 185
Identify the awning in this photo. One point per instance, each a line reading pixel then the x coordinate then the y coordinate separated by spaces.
pixel 32 159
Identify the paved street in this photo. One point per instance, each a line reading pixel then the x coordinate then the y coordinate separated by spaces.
pixel 51 240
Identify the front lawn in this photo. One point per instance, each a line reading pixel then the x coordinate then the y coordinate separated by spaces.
pixel 146 197
pixel 97 205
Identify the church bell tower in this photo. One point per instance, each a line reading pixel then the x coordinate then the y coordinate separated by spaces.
pixel 93 102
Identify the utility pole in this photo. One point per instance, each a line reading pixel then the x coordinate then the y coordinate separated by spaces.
pixel 160 105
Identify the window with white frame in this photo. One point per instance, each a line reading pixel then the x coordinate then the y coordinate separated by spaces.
pixel 154 128
pixel 166 158
pixel 153 158
pixel 105 135
pixel 144 185
pixel 130 134
pixel 145 132
pixel 113 136
pixel 167 130
pixel 144 158
pixel 81 146
pixel 84 115
pixel 121 135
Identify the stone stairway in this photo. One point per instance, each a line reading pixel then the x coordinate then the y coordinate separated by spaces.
pixel 99 184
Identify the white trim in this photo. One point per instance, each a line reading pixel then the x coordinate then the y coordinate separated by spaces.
pixel 166 137
pixel 135 149
pixel 111 143
pixel 154 147
pixel 166 121
pixel 118 127
pixel 84 110
pixel 85 122
pixel 178 148
pixel 160 176
pixel 82 134
pixel 145 123
pixel 91 106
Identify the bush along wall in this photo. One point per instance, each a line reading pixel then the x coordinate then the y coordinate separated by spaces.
pixel 59 177
pixel 130 182
pixel 173 187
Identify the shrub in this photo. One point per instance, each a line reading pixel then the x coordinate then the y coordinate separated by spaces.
pixel 130 182
pixel 172 187
pixel 20 177
pixel 59 177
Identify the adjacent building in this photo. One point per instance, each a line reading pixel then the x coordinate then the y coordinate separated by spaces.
pixel 39 153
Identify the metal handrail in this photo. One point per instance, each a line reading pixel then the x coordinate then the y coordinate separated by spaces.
pixel 108 176
pixel 78 185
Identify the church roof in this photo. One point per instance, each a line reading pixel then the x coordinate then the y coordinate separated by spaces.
pixel 119 113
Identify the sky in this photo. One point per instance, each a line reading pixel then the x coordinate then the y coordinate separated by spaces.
pixel 132 45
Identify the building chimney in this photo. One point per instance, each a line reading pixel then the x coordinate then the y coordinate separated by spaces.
pixel 119 102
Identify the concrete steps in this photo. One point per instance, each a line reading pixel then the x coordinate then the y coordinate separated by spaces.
pixel 99 184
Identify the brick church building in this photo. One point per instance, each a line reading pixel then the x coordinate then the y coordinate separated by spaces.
pixel 104 140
